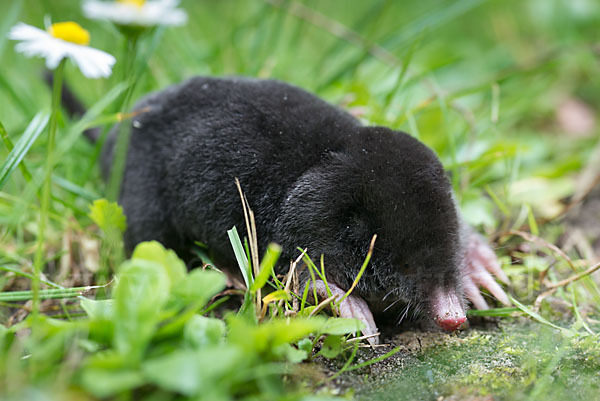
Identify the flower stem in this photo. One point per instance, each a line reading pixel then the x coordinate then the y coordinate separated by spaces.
pixel 122 143
pixel 38 262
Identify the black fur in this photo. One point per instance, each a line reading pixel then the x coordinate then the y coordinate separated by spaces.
pixel 314 176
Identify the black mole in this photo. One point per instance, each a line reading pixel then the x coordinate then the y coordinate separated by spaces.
pixel 317 179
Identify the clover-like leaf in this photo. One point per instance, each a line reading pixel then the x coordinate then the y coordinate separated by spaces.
pixel 108 215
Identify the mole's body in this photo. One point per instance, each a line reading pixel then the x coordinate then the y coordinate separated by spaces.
pixel 315 178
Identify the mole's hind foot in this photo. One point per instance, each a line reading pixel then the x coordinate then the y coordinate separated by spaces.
pixel 352 306
pixel 481 265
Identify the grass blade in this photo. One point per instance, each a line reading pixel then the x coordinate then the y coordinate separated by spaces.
pixel 33 131
pixel 266 267
pixel 240 255
pixel 56 293
pixel 536 316
pixel 74 188
pixel 9 145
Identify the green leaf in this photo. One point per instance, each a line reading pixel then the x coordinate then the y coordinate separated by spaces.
pixel 289 353
pixel 32 132
pixel 178 371
pixel 340 326
pixel 266 267
pixel 199 286
pixel 98 310
pixel 332 346
pixel 201 331
pixel 276 296
pixel 189 373
pixel 141 292
pixel 306 345
pixel 266 336
pixel 108 382
pixel 108 215
pixel 154 251
pixel 6 339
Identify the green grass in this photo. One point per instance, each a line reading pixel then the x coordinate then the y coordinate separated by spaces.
pixel 478 81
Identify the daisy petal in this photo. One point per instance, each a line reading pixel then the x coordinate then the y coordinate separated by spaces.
pixel 93 63
pixel 25 32
pixel 151 13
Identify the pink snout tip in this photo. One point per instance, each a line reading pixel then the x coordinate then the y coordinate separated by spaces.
pixel 451 324
pixel 447 309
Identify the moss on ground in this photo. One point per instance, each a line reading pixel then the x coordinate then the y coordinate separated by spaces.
pixel 518 360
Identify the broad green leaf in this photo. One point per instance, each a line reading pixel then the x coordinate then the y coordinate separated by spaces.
pixel 199 286
pixel 190 372
pixel 98 310
pixel 201 331
pixel 332 346
pixel 177 371
pixel 33 131
pixel 273 333
pixel 340 326
pixel 139 296
pixel 108 382
pixel 6 338
pixel 290 353
pixel 306 345
pixel 153 251
pixel 108 215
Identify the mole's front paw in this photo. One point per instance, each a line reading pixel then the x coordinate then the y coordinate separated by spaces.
pixel 353 307
pixel 481 265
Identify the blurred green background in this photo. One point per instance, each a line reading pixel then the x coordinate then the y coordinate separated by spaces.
pixel 482 82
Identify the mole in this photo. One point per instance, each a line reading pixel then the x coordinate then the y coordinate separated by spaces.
pixel 316 178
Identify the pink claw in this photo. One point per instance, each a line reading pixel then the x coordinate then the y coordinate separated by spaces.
pixel 473 294
pixel 481 264
pixel 351 307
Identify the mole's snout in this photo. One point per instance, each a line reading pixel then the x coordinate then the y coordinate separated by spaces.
pixel 447 309
pixel 451 324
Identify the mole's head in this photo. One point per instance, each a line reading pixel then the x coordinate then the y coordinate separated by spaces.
pixel 385 183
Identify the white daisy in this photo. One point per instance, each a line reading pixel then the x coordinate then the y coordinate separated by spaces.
pixel 140 13
pixel 62 40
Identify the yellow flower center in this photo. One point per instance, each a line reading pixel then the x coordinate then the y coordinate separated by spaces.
pixel 138 3
pixel 70 32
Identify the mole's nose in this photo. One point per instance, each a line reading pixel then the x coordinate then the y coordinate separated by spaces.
pixel 451 324
pixel 446 309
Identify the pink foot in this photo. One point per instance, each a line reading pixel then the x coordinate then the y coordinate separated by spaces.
pixel 481 265
pixel 353 307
